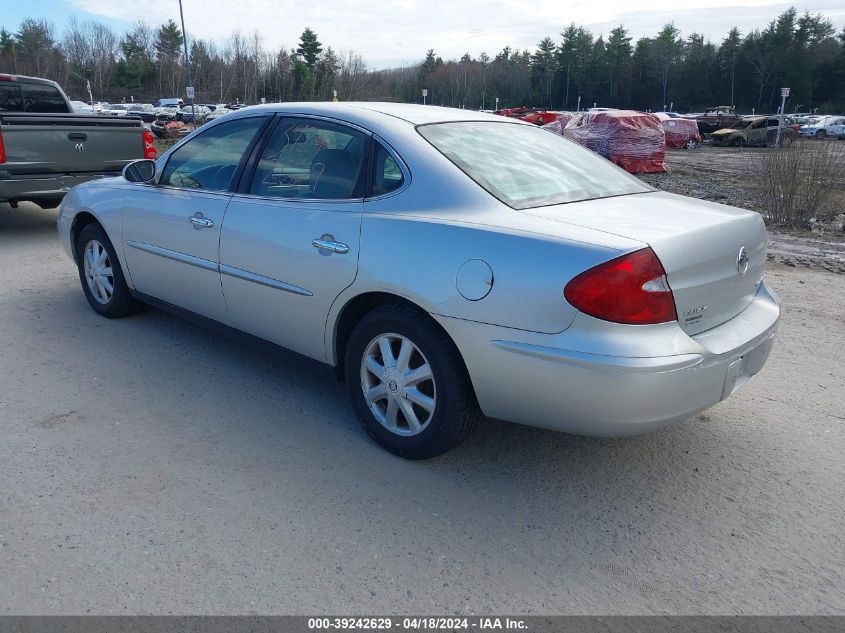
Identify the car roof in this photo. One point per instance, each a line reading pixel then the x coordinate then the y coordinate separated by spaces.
pixel 412 113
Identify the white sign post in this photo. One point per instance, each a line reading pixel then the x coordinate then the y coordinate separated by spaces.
pixel 189 91
pixel 784 93
pixel 424 94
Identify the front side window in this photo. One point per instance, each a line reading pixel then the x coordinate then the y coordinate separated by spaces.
pixel 387 176
pixel 43 98
pixel 525 166
pixel 210 160
pixel 311 159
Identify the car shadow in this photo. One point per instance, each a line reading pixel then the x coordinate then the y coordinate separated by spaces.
pixel 28 220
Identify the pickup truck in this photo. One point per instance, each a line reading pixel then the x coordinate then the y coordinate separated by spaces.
pixel 46 149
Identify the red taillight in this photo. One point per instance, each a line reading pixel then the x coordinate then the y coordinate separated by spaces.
pixel 2 149
pixel 631 289
pixel 6 78
pixel 149 144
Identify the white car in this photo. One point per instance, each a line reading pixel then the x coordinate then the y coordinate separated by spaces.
pixel 447 263
pixel 833 126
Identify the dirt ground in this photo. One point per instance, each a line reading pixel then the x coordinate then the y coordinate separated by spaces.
pixel 727 175
pixel 150 466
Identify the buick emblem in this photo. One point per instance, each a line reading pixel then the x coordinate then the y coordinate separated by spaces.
pixel 742 262
pixel 79 147
pixel 393 386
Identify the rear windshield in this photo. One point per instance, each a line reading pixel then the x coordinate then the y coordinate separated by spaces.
pixel 43 98
pixel 525 166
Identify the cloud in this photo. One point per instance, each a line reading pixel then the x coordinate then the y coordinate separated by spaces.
pixel 390 33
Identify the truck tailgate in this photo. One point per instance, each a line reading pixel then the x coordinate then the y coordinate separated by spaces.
pixel 68 143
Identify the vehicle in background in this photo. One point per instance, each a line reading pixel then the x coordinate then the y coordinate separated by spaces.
pixel 190 113
pixel 602 109
pixel 715 118
pixel 217 113
pixel 80 107
pixel 144 111
pixel 169 103
pixel 679 132
pixel 403 245
pixel 822 127
pixel 117 109
pixel 46 148
pixel 166 126
pixel 753 131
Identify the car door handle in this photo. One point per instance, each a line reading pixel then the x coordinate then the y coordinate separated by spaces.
pixel 328 245
pixel 198 220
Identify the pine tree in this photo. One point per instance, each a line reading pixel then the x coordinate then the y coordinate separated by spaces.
pixel 309 48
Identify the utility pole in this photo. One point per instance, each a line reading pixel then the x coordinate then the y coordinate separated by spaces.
pixel 190 89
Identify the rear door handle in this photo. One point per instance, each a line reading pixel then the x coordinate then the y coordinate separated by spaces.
pixel 200 222
pixel 329 245
pixel 77 137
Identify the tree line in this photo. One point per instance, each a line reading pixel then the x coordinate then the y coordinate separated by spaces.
pixel 578 69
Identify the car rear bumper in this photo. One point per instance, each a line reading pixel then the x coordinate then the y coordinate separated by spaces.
pixel 42 186
pixel 571 382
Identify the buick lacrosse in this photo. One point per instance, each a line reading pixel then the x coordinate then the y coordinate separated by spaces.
pixel 449 264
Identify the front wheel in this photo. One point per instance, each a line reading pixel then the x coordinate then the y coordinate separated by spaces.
pixel 408 383
pixel 821 134
pixel 101 275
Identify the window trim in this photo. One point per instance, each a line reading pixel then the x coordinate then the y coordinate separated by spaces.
pixel 236 177
pixel 243 189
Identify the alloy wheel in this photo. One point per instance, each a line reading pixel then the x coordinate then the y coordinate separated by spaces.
pixel 398 384
pixel 98 272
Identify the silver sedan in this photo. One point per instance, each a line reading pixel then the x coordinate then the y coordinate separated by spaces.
pixel 449 265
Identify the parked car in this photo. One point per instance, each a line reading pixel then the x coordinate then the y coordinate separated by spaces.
pixel 144 111
pixel 679 132
pixel 715 118
pixel 117 109
pixel 80 107
pixel 402 245
pixel 174 102
pixel 46 148
pixel 190 113
pixel 753 131
pixel 822 127
pixel 217 113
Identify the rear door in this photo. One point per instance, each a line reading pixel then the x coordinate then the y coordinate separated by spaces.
pixel 289 244
pixel 171 230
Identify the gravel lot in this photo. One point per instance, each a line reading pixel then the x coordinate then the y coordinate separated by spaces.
pixel 152 466
pixel 727 175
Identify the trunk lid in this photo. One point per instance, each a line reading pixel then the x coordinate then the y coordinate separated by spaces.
pixel 713 254
pixel 38 144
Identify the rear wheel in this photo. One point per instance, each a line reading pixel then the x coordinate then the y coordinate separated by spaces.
pixel 101 275
pixel 821 134
pixel 736 142
pixel 408 384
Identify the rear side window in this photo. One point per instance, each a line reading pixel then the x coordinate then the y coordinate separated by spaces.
pixel 209 161
pixel 387 176
pixel 43 98
pixel 10 98
pixel 525 166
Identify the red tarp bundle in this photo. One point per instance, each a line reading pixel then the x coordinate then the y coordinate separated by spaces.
pixel 679 132
pixel 530 115
pixel 633 140
pixel 556 126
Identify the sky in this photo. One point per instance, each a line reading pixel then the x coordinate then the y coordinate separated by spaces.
pixel 398 32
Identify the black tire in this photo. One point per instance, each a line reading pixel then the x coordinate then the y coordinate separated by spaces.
pixel 736 142
pixel 121 303
pixel 456 412
pixel 821 134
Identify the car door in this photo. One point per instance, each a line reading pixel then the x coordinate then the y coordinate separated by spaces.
pixel 289 243
pixel 171 229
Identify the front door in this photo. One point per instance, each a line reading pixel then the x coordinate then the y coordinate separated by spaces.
pixel 171 229
pixel 289 244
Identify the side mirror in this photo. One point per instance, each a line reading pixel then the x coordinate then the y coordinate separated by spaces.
pixel 140 171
